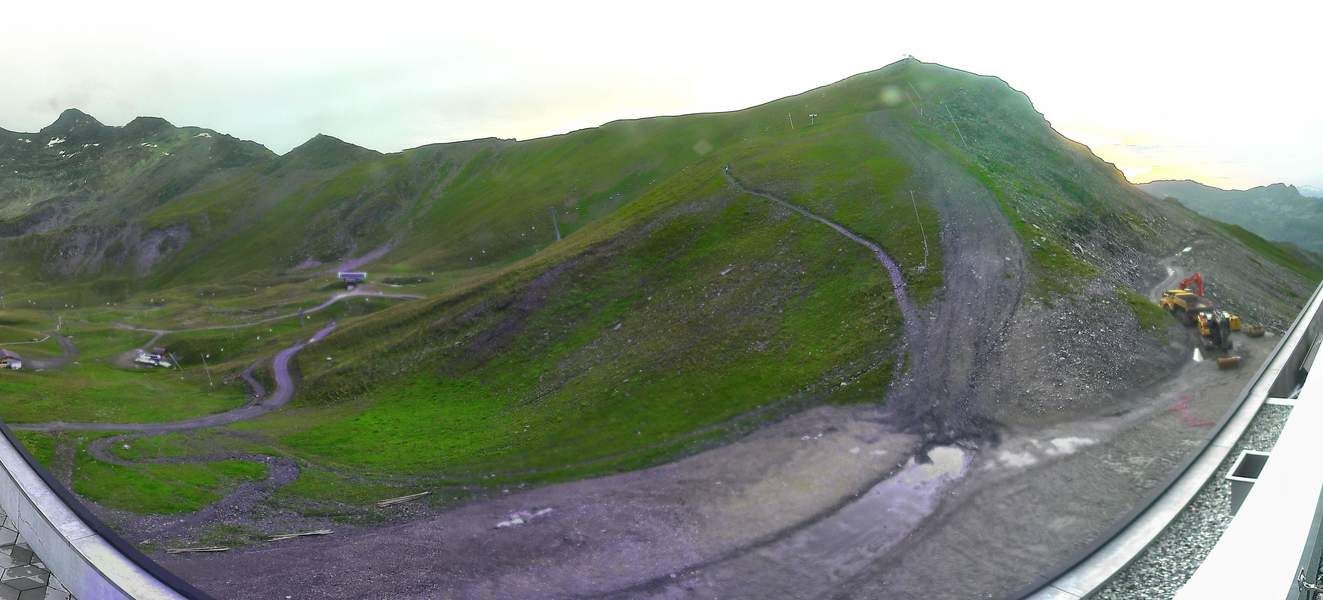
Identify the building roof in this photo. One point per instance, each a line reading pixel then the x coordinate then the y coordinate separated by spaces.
pixel 8 354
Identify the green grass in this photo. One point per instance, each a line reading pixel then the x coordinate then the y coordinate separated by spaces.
pixel 160 488
pixel 325 489
pixel 1055 271
pixel 40 445
pixel 674 315
pixel 841 170
pixel 1272 252
pixel 618 363
pixel 1150 316
pixel 101 392
pixel 105 342
pixel 242 346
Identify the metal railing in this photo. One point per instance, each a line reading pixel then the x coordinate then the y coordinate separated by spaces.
pixel 90 559
pixel 1097 564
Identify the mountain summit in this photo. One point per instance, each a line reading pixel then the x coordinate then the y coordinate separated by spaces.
pixel 70 120
pixel 324 151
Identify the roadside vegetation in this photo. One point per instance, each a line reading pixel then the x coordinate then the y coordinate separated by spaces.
pixel 94 391
pixel 166 488
pixel 1150 316
pixel 617 358
pixel 1275 253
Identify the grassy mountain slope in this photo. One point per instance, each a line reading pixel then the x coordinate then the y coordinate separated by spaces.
pixel 1277 212
pixel 675 312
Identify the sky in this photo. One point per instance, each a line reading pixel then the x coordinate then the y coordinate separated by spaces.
pixel 1225 93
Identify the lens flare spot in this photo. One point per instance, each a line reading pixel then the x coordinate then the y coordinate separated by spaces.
pixel 892 96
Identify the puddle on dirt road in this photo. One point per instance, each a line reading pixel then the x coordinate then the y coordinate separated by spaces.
pixel 883 516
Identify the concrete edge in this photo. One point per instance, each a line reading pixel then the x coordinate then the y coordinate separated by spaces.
pixel 1261 549
pixel 80 550
pixel 1103 561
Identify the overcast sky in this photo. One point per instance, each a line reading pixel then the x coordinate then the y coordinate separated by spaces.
pixel 1229 96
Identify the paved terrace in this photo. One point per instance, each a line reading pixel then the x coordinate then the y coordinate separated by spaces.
pixel 24 576
pixel 47 531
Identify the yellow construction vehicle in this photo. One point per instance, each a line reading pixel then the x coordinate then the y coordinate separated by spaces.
pixel 1184 305
pixel 1188 302
pixel 1190 307
pixel 1215 329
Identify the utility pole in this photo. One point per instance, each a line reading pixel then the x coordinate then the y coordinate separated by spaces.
pixel 554 224
pixel 790 119
pixel 915 204
pixel 954 124
pixel 206 368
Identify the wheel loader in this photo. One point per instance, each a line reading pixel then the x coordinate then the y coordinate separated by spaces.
pixel 1215 329
pixel 1191 308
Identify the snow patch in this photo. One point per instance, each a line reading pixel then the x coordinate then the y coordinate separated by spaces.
pixel 1187 249
pixel 203 135
pixel 55 140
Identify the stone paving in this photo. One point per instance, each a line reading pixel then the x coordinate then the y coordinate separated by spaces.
pixel 22 574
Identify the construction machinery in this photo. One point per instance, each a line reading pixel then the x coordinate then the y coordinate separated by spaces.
pixel 1186 302
pixel 1191 308
pixel 1215 329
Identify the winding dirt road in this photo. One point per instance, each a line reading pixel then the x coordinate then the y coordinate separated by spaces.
pixel 806 491
pixel 126 359
pixel 68 352
pixel 279 397
pixel 260 402
pixel 908 313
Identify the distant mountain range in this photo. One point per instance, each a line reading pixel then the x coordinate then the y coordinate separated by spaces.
pixel 1279 212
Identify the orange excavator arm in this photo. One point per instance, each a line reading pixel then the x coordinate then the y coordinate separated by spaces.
pixel 1195 280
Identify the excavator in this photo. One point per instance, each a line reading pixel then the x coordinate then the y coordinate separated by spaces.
pixel 1186 302
pixel 1189 306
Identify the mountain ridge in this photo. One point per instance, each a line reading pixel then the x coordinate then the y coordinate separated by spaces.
pixel 1276 211
pixel 926 251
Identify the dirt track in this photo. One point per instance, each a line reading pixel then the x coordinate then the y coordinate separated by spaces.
pixel 282 394
pixel 259 405
pixel 732 509
pixel 68 352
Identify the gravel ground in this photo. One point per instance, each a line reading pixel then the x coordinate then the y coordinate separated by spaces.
pixel 1165 566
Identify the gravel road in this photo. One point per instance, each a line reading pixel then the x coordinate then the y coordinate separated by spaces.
pixel 68 352
pixel 716 523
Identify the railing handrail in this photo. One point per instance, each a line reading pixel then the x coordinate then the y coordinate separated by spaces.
pixel 1055 583
pixel 96 562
